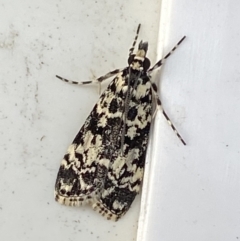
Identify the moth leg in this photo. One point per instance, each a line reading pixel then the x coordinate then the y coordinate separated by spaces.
pixel 161 61
pixel 135 40
pixel 159 106
pixel 98 80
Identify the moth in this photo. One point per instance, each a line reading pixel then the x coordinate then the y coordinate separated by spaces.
pixel 104 165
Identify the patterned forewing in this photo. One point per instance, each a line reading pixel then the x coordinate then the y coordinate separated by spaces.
pixel 84 168
pixel 125 172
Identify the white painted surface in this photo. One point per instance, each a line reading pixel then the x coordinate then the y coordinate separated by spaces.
pixel 195 190
pixel 40 115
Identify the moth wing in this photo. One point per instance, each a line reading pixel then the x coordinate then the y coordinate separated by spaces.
pixel 125 174
pixel 84 168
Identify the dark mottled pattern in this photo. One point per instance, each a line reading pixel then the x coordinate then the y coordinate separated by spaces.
pixel 104 165
pixel 100 136
pixel 113 107
pixel 132 113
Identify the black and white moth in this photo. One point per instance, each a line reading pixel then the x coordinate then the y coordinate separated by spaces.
pixel 104 165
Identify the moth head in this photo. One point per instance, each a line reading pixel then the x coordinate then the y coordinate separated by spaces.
pixel 139 61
